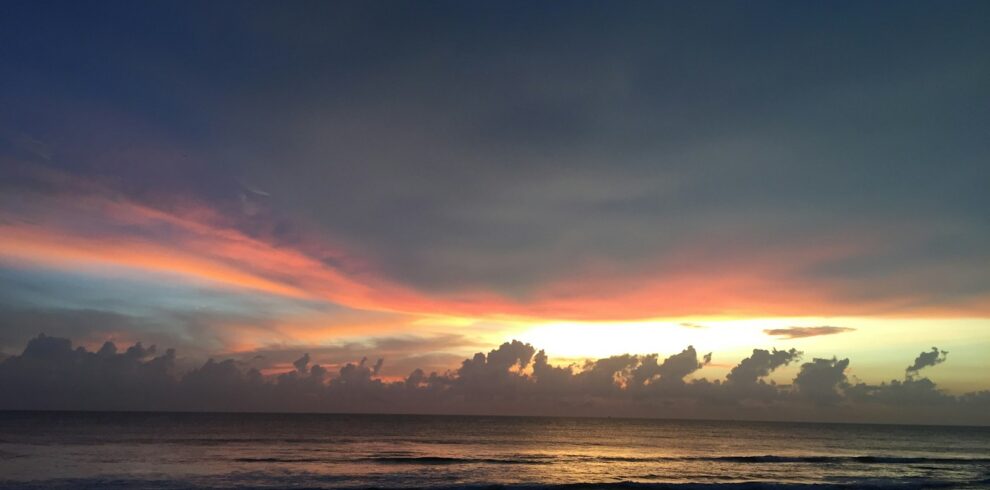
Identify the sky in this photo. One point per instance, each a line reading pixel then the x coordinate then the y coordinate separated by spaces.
pixel 267 182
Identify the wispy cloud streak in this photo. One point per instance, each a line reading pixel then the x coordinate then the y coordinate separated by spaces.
pixel 803 332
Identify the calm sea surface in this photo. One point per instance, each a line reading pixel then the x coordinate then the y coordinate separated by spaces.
pixel 101 450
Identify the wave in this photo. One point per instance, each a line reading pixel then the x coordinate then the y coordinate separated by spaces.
pixel 523 459
pixel 286 481
pixel 278 460
pixel 768 458
pixel 761 459
pixel 441 460
pixel 194 441
pixel 854 459
pixel 752 485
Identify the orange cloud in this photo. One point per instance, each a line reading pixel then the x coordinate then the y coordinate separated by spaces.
pixel 33 244
pixel 196 243
pixel 193 248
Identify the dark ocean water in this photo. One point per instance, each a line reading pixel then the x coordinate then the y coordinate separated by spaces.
pixel 131 450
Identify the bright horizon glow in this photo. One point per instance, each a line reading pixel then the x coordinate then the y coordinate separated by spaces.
pixel 879 347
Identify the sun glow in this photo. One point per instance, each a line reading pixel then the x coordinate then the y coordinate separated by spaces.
pixel 595 340
pixel 720 334
pixel 731 339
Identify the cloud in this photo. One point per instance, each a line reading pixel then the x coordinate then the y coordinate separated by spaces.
pixel 496 374
pixel 760 364
pixel 926 359
pixel 72 223
pixel 420 183
pixel 822 380
pixel 302 363
pixel 192 242
pixel 677 366
pixel 513 378
pixel 912 390
pixel 404 353
pixel 50 373
pixel 745 381
pixel 907 392
pixel 802 332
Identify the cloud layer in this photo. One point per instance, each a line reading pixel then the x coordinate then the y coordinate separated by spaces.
pixel 514 378
pixel 726 163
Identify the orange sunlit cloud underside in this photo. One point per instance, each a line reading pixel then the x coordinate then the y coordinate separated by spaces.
pixel 198 246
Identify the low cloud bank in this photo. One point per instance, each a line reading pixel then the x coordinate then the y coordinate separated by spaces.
pixel 514 378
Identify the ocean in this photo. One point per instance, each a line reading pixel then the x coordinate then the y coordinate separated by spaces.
pixel 193 450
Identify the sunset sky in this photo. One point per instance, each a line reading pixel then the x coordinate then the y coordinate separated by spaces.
pixel 423 181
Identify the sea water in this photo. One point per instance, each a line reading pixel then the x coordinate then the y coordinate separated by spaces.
pixel 191 450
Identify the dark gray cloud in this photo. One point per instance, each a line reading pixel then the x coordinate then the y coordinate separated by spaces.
pixel 514 378
pixel 302 364
pixel 677 366
pixel 763 362
pixel 907 392
pixel 745 382
pixel 926 359
pixel 93 327
pixel 203 333
pixel 801 332
pixel 912 390
pixel 404 352
pixel 822 380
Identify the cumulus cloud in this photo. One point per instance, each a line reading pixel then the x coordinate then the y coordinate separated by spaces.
pixel 926 359
pixel 302 363
pixel 913 390
pixel 513 378
pixel 822 380
pixel 802 332
pixel 403 352
pixel 50 373
pixel 760 364
pixel 907 392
